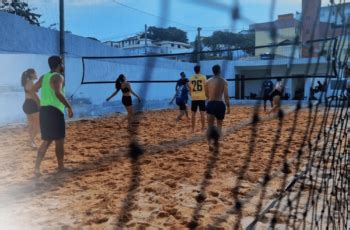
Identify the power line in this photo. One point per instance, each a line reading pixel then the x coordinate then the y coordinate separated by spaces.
pixel 207 28
pixel 150 14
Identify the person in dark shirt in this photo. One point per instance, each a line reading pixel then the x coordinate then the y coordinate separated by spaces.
pixel 182 81
pixel 181 95
pixel 320 87
pixel 267 88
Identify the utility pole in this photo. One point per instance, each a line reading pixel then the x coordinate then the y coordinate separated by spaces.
pixel 62 45
pixel 198 44
pixel 145 38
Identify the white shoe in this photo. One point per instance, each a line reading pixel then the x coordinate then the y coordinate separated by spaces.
pixel 33 145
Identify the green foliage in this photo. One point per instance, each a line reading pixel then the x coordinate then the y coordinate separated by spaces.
pixel 166 34
pixel 21 9
pixel 224 40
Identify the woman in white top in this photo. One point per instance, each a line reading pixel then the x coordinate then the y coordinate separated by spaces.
pixel 31 105
pixel 276 96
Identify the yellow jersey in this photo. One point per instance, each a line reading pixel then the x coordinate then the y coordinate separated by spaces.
pixel 197 83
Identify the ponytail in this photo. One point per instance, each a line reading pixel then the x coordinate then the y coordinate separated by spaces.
pixel 119 81
pixel 24 78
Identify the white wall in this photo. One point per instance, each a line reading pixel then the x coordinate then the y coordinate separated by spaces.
pixel 12 96
pixel 227 71
pixel 25 46
pixel 12 66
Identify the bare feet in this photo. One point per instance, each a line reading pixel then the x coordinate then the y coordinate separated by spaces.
pixel 37 172
pixel 64 170
pixel 33 145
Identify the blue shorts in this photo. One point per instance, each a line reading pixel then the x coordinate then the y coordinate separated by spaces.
pixel 217 109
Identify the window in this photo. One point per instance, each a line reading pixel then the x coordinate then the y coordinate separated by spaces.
pixel 178 46
pixel 172 45
pixel 338 84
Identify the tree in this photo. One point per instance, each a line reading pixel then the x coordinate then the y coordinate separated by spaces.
pixel 166 34
pixel 21 9
pixel 227 40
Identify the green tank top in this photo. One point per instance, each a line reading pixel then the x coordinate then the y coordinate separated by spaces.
pixel 48 95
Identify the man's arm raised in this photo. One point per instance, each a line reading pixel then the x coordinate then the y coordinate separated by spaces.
pixel 35 88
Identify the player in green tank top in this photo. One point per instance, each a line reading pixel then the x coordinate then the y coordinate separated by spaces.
pixel 52 105
pixel 48 93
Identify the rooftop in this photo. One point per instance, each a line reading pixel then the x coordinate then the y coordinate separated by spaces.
pixel 283 21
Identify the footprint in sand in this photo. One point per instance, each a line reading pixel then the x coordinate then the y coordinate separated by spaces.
pixel 111 184
pixel 171 183
pixel 98 220
pixel 104 151
pixel 214 193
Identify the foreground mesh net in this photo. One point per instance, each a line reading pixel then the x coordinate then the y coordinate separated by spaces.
pixel 312 175
pixel 318 195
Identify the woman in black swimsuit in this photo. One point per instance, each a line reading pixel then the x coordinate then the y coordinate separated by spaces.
pixel 31 105
pixel 122 84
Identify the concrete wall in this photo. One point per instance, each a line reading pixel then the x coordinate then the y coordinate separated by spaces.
pixel 11 94
pixel 25 46
pixel 18 36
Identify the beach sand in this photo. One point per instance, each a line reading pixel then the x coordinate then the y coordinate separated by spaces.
pixel 175 180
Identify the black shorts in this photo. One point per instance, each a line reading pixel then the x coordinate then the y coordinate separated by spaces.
pixel 30 107
pixel 217 109
pixel 267 97
pixel 127 101
pixel 276 93
pixel 198 104
pixel 182 105
pixel 52 124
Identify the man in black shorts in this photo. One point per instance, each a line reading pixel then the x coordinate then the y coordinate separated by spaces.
pixel 52 106
pixel 267 88
pixel 197 92
pixel 216 88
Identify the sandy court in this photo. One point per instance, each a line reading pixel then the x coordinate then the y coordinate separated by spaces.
pixel 160 189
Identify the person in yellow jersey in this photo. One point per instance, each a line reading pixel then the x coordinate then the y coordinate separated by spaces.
pixel 197 92
pixel 51 115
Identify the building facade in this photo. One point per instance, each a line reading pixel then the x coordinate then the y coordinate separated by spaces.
pixel 286 28
pixel 139 45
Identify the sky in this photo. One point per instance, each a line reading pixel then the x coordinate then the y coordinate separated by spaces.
pixel 117 19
